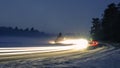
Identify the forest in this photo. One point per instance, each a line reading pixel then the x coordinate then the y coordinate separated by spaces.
pixel 28 32
pixel 107 28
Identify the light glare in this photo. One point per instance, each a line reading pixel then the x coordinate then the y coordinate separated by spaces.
pixel 77 43
pixel 81 44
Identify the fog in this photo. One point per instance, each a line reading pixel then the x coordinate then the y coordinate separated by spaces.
pixel 23 41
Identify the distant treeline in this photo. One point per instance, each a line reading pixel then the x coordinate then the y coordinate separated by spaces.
pixel 28 32
pixel 108 27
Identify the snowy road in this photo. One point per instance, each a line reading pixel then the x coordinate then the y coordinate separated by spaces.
pixel 60 58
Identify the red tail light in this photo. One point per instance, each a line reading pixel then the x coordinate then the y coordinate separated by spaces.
pixel 94 43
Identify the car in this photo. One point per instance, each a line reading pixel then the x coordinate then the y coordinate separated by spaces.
pixel 93 44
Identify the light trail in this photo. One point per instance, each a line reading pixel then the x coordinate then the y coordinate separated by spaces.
pixel 76 44
pixel 27 50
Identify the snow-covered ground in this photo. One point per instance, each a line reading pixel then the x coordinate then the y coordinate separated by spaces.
pixel 103 57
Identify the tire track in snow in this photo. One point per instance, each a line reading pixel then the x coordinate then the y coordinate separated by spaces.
pixel 68 56
pixel 82 56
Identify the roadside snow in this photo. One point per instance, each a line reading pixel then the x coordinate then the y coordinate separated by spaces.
pixel 108 60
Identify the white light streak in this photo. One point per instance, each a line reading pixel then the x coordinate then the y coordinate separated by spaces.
pixel 77 44
pixel 24 50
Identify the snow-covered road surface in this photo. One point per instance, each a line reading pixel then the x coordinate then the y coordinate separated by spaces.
pixel 103 57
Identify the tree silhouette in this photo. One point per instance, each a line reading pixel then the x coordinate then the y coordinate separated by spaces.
pixel 108 27
pixel 111 22
pixel 10 31
pixel 27 29
pixel 32 29
pixel 16 28
pixel 96 29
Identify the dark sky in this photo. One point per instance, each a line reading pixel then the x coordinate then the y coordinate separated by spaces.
pixel 52 15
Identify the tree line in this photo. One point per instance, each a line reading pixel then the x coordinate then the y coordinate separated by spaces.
pixel 27 32
pixel 107 28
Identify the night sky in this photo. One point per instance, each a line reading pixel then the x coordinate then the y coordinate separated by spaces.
pixel 52 16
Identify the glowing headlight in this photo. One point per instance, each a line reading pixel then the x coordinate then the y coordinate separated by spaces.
pixel 52 42
pixel 81 44
pixel 77 43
